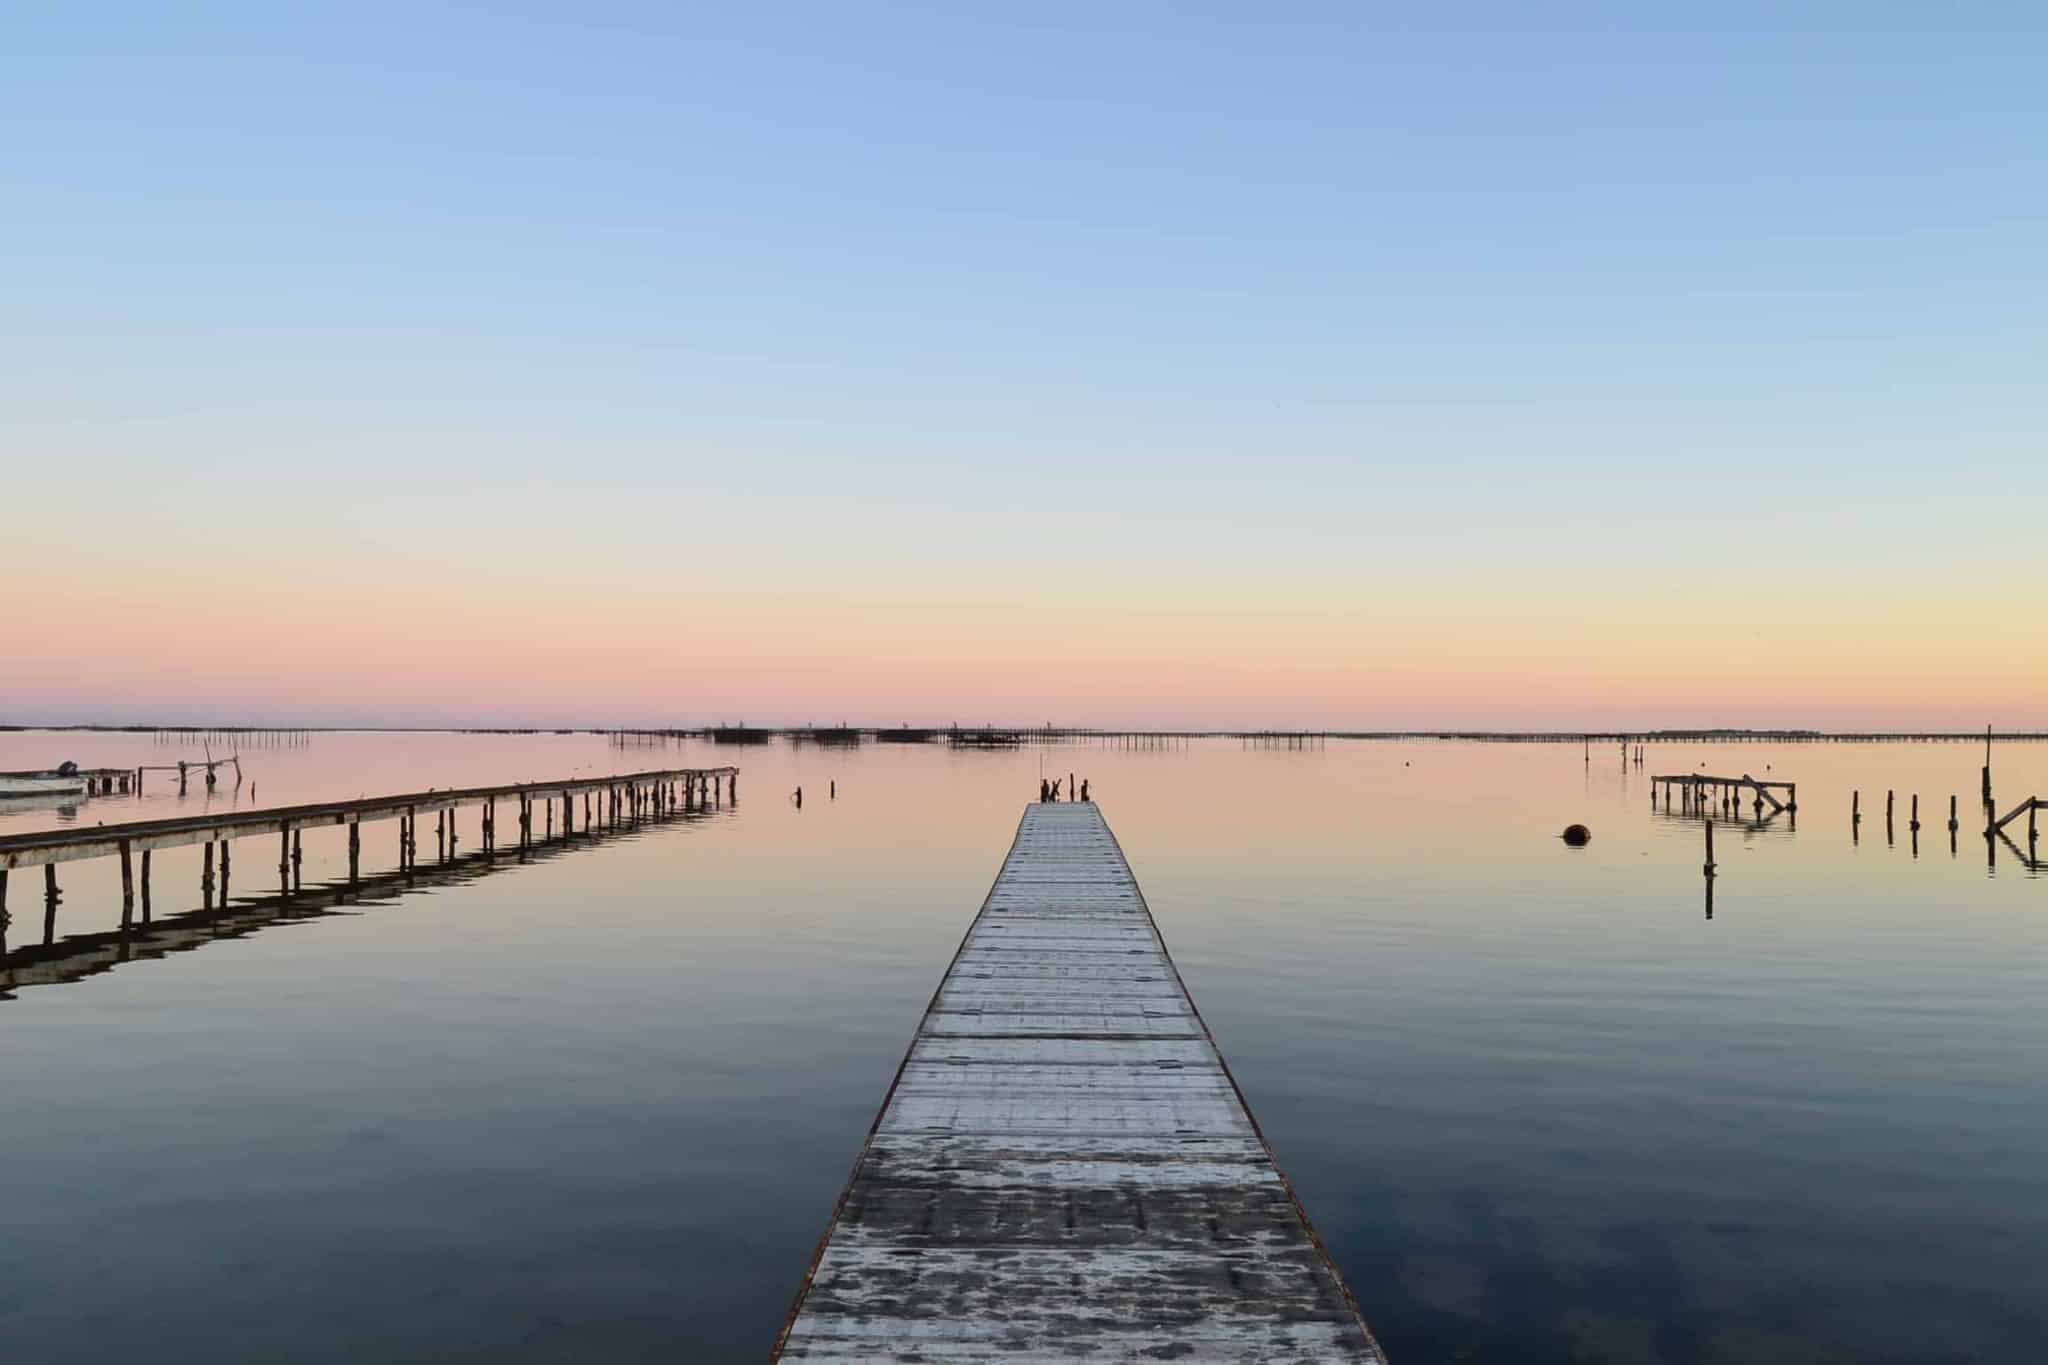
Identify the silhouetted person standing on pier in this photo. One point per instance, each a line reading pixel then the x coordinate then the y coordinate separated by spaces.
pixel 1084 789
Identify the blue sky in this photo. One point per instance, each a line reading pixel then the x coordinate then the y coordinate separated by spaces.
pixel 893 298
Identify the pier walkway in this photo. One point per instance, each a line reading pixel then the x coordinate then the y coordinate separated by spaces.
pixel 1064 1168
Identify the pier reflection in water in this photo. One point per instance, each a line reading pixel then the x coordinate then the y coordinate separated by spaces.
pixel 599 1108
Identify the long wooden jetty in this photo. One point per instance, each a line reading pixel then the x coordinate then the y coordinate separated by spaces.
pixel 1064 1167
pixel 607 802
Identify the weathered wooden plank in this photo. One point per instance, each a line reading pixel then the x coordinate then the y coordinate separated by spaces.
pixel 1064 1168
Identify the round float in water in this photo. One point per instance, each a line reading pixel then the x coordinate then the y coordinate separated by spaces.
pixel 1577 835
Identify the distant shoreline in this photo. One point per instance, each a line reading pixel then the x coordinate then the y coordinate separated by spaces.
pixel 1027 734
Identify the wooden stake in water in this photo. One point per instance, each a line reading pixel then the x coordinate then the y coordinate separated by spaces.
pixel 1709 869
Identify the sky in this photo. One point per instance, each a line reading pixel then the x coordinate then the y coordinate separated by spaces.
pixel 1311 365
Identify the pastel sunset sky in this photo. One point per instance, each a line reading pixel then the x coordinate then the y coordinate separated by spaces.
pixel 1346 365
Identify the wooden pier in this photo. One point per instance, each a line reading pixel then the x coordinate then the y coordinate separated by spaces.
pixel 607 802
pixel 1699 792
pixel 1064 1168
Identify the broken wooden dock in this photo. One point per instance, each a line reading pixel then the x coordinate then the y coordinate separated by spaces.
pixel 1064 1167
pixel 1699 792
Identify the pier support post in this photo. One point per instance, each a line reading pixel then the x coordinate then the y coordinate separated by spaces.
pixel 1915 825
pixel 1709 869
pixel 1952 813
pixel 5 918
pixel 224 846
pixel 145 886
pixel 127 883
pixel 51 895
pixel 284 861
pixel 206 878
pixel 355 851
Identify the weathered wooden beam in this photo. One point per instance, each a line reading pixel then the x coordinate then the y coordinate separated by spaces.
pixel 2015 813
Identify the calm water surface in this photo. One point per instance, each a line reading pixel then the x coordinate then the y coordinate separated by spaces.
pixel 597 1107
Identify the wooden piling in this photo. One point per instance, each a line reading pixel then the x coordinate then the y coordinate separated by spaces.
pixel 145 885
pixel 1915 825
pixel 206 877
pixel 284 861
pixel 51 895
pixel 1709 869
pixel 127 883
pixel 1952 825
pixel 355 851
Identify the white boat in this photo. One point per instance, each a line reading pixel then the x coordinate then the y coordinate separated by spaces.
pixel 64 780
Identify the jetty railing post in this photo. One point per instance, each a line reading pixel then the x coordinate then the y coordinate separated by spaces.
pixel 127 884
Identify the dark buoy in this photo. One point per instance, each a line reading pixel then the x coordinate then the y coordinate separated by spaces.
pixel 1577 835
